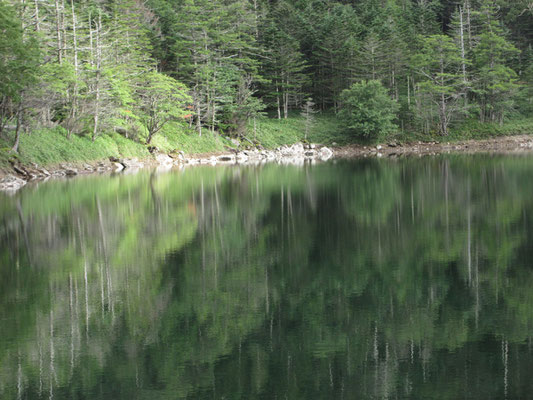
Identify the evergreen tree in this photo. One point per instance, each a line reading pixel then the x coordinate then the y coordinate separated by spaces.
pixel 495 85
pixel 438 64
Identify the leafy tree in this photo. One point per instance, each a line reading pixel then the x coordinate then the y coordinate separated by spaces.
pixel 162 99
pixel 19 60
pixel 368 110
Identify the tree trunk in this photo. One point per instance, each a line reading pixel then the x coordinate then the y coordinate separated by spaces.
pixel 58 33
pixel 74 110
pixel 463 57
pixel 278 102
pixel 37 22
pixel 98 75
pixel 15 147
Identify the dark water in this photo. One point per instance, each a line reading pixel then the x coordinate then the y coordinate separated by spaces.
pixel 366 279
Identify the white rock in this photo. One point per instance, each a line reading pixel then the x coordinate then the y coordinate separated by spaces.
pixel 325 153
pixel 11 183
pixel 242 157
pixel 163 159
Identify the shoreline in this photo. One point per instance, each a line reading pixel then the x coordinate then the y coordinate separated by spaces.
pixel 19 175
pixel 499 145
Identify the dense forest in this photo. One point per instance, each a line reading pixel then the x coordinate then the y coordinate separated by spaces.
pixel 90 67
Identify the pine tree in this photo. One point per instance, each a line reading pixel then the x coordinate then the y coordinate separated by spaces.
pixel 495 84
pixel 438 64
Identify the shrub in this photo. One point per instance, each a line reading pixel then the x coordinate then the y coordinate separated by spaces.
pixel 368 111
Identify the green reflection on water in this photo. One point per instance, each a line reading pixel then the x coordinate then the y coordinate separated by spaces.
pixel 367 279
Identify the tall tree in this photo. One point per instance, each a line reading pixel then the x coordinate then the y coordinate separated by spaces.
pixel 438 64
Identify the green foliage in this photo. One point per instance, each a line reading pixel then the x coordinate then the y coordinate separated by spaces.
pixel 368 111
pixel 91 68
pixel 161 99
pixel 18 55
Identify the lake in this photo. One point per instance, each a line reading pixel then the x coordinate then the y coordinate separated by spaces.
pixel 370 278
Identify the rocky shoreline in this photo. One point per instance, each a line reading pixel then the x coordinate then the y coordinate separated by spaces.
pixel 297 154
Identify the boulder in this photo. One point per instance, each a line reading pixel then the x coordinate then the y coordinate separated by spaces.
pixel 297 148
pixel 325 153
pixel 11 183
pixel 227 158
pixel 241 157
pixel 71 171
pixel 132 163
pixel 163 159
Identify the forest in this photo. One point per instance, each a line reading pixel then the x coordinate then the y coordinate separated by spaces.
pixel 138 70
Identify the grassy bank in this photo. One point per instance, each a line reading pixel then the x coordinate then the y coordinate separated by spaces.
pixel 472 130
pixel 51 146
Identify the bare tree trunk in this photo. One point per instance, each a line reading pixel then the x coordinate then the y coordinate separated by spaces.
pixel 286 101
pixel 15 147
pixel 463 57
pixel 58 33
pixel 468 24
pixel 74 110
pixel 63 29
pixel 278 101
pixel 98 75
pixel 408 93
pixel 37 22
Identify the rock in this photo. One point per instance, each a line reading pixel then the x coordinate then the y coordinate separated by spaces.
pixel 312 146
pixel 163 159
pixel 227 158
pixel 132 163
pixel 117 167
pixel 121 130
pixel 379 147
pixel 325 153
pixel 310 153
pixel 88 167
pixel 235 142
pixel 112 159
pixel 11 183
pixel 20 170
pixel 71 171
pixel 297 148
pixel 241 157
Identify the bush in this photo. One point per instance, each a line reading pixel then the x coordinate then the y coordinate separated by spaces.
pixel 368 111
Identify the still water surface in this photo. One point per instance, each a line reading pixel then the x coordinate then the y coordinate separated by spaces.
pixel 364 279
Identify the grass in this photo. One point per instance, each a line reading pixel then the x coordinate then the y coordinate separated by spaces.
pixel 473 129
pixel 272 132
pixel 51 146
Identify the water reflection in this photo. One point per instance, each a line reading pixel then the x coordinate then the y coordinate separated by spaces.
pixel 373 279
